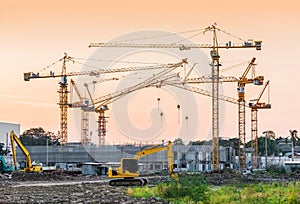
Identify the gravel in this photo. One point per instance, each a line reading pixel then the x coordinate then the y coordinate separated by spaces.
pixel 52 188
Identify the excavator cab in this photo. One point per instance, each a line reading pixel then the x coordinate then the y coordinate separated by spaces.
pixel 127 174
pixel 130 165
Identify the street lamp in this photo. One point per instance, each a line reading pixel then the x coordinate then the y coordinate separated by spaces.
pixel 158 99
pixel 186 120
pixel 178 107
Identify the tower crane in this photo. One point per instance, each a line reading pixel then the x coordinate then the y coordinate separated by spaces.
pixel 255 105
pixel 85 108
pixel 242 81
pixel 84 115
pixel 63 88
pixel 101 103
pixel 215 46
pixel 242 111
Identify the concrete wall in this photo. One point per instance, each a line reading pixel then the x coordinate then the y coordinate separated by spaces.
pixel 184 156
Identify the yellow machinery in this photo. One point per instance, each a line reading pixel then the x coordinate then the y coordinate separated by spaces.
pixel 28 167
pixel 127 174
pixel 255 105
pixel 242 110
pixel 63 85
pixel 215 64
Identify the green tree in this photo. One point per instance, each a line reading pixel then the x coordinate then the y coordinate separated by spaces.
pixel 272 148
pixel 270 134
pixel 38 137
pixel 178 141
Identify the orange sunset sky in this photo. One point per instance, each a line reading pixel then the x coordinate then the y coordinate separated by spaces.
pixel 33 34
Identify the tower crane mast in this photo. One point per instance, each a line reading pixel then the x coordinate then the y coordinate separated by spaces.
pixel 242 111
pixel 84 115
pixel 254 127
pixel 63 103
pixel 214 74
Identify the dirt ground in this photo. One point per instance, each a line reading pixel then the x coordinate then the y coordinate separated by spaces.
pixel 56 187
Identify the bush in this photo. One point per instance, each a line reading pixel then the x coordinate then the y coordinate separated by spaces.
pixel 190 187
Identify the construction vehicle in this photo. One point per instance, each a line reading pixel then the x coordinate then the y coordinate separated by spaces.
pixel 26 166
pixel 127 174
pixel 215 64
pixel 4 168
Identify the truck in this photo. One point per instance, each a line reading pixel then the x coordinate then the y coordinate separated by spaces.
pixel 127 173
pixel 27 165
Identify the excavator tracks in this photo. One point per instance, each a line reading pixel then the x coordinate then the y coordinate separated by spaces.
pixel 128 182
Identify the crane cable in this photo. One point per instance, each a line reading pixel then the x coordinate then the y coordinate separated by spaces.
pixel 229 34
pixel 192 36
pixel 183 32
pixel 122 61
pixel 158 36
pixel 51 65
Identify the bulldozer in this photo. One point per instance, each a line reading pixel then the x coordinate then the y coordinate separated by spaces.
pixel 127 173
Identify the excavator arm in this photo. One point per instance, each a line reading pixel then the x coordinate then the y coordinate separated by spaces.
pixel 127 173
pixel 28 167
pixel 150 150
pixel 158 148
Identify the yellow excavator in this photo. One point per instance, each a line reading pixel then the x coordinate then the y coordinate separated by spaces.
pixel 27 166
pixel 127 174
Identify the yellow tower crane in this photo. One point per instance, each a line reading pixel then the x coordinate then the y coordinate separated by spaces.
pixel 63 90
pixel 255 105
pixel 85 106
pixel 242 110
pixel 242 81
pixel 215 46
pixel 101 103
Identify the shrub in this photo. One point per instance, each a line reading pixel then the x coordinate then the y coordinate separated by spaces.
pixel 190 187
